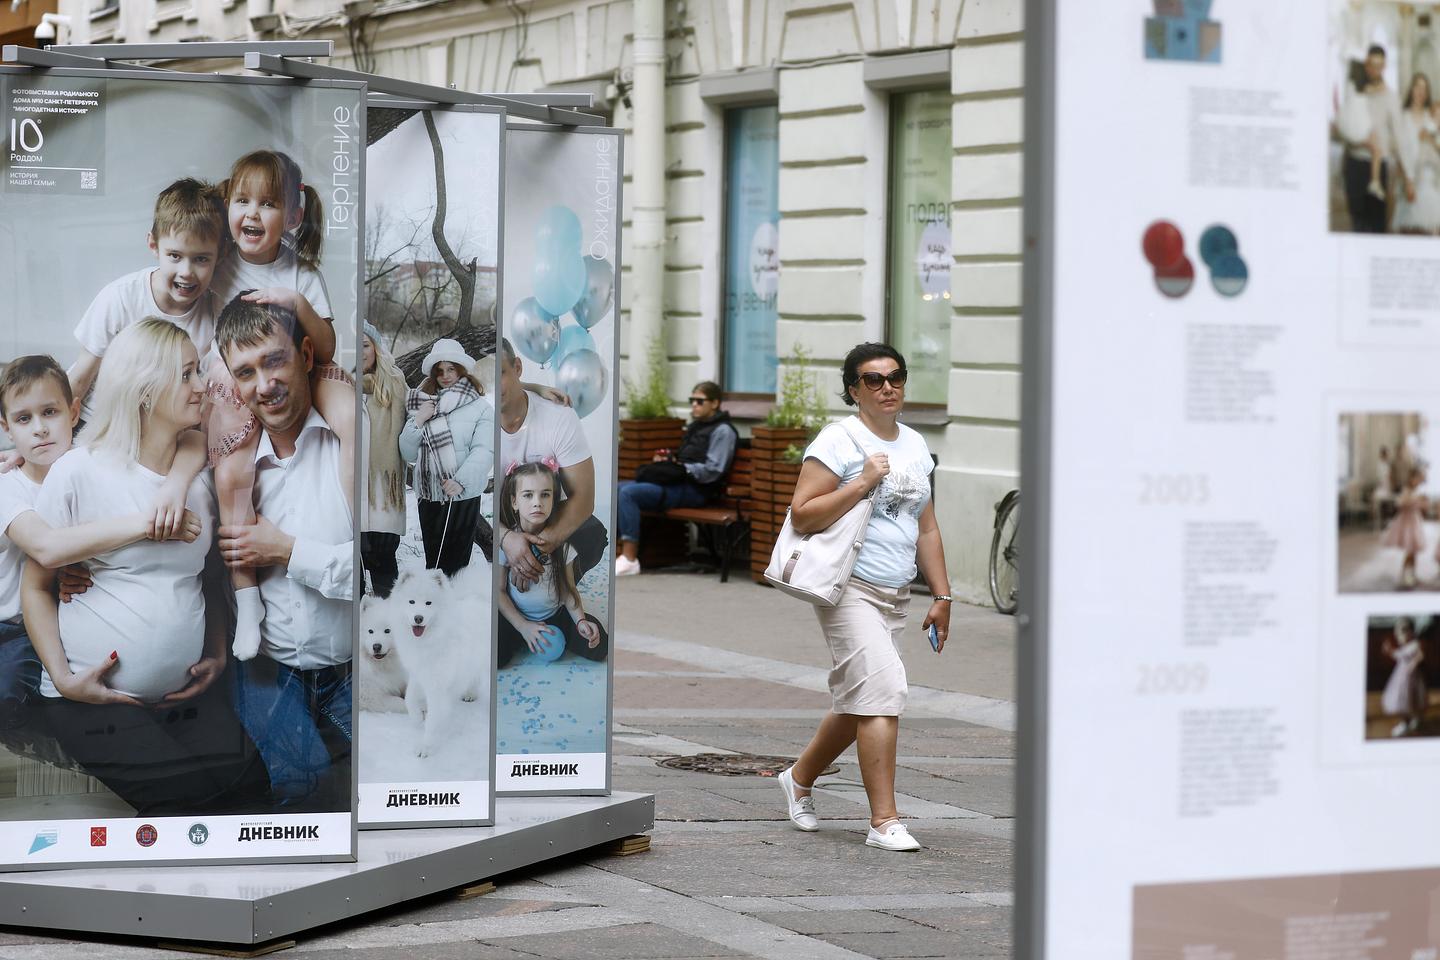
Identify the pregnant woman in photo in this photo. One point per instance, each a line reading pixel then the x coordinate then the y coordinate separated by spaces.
pixel 131 663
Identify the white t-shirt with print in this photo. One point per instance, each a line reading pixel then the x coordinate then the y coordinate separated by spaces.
pixel 145 600
pixel 544 599
pixel 888 556
pixel 124 302
pixel 234 275
pixel 549 430
pixel 17 495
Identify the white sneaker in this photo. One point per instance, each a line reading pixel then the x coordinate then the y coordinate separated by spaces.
pixel 802 809
pixel 895 837
pixel 1400 729
pixel 625 567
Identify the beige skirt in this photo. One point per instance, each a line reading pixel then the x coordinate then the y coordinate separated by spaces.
pixel 863 632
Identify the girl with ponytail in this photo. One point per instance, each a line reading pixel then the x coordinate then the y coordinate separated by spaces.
pixel 276 223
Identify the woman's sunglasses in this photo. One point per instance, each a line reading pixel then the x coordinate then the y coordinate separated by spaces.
pixel 873 381
pixel 695 400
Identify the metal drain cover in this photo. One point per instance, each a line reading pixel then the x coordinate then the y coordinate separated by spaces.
pixel 734 764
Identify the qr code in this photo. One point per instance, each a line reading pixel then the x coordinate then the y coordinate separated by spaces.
pixel 89 179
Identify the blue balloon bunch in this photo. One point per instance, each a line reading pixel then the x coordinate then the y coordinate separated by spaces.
pixel 565 281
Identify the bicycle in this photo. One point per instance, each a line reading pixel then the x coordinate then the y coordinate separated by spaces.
pixel 1005 554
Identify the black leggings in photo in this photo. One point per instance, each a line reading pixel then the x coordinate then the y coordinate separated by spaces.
pixel 512 643
pixel 447 528
pixel 184 760
pixel 377 555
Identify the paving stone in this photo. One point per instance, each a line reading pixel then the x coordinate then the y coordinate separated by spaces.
pixel 431 910
pixel 980 925
pixel 930 943
pixel 463 950
pixel 637 941
pixel 841 921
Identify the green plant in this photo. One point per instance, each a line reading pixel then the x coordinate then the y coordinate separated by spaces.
pixel 792 454
pixel 652 401
pixel 799 403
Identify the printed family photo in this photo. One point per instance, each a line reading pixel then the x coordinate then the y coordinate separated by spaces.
pixel 1387 503
pixel 428 372
pixel 554 497
pixel 176 572
pixel 1384 117
pixel 1402 668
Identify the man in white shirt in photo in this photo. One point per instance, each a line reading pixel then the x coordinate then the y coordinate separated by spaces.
pixel 534 429
pixel 295 697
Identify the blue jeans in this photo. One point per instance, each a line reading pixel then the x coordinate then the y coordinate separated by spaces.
pixel 636 497
pixel 19 675
pixel 300 721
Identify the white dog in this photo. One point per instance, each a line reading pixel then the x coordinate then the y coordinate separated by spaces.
pixel 382 675
pixel 441 632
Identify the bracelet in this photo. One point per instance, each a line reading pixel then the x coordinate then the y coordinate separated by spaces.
pixel 941 596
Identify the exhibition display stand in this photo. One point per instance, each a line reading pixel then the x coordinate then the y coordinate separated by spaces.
pixel 247 904
pixel 252 904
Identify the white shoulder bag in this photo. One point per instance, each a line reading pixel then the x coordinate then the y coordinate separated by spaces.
pixel 816 566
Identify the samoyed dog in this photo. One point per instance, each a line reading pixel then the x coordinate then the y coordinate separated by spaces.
pixel 382 675
pixel 441 631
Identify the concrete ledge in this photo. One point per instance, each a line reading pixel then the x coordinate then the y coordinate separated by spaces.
pixel 909 71
pixel 741 87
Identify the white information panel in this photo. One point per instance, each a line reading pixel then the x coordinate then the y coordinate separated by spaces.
pixel 1231 608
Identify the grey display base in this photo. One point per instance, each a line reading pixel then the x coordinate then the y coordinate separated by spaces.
pixel 252 904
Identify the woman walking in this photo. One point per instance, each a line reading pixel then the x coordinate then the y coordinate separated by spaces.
pixel 382 512
pixel 867 683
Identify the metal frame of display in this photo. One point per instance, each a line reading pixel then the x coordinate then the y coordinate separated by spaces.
pixel 525 128
pixel 401 103
pixel 255 903
pixel 103 71
pixel 252 903
pixel 1032 621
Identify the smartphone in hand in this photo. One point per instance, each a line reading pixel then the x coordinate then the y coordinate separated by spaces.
pixel 934 638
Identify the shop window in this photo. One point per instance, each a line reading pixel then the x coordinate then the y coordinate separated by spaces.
pixel 919 243
pixel 752 248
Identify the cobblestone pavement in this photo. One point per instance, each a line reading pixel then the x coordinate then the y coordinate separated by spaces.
pixel 704 667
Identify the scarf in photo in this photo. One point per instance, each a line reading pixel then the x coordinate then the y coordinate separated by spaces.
pixel 387 472
pixel 437 446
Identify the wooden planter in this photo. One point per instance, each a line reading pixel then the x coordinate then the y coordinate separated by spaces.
pixel 662 543
pixel 772 484
pixel 639 439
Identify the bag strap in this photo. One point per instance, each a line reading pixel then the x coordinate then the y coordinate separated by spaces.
pixel 863 456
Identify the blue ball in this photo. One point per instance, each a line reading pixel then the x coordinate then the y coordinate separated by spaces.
pixel 554 643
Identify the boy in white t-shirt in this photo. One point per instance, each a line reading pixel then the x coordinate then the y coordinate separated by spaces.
pixel 39 412
pixel 187 237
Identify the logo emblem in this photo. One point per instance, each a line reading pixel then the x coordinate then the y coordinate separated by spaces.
pixel 44 839
pixel 198 834
pixel 146 835
pixel 98 836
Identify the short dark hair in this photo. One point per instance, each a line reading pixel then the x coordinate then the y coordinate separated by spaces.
pixel 246 324
pixel 709 388
pixel 23 372
pixel 863 353
pixel 1374 49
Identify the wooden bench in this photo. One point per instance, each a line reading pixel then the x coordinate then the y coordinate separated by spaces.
pixel 723 522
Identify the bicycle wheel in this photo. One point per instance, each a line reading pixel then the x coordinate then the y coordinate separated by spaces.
pixel 1005 558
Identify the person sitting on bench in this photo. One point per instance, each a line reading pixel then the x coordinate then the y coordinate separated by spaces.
pixel 691 476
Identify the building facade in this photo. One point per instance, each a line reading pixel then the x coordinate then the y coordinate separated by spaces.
pixel 835 171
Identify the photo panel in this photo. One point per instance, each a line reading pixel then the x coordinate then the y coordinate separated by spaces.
pixel 432 279
pixel 555 478
pixel 179 256
pixel 1402 676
